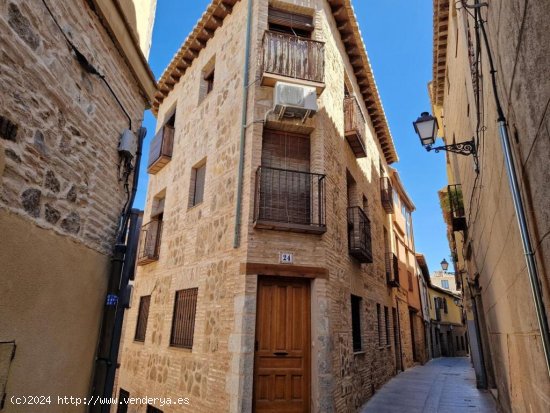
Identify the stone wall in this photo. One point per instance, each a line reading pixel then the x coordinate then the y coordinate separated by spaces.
pixel 60 192
pixel 519 44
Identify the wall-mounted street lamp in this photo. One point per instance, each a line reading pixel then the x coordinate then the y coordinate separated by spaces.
pixel 444 265
pixel 426 127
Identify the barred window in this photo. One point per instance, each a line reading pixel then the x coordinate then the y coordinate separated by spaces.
pixel 356 322
pixel 379 319
pixel 183 321
pixel 143 315
pixel 153 409
pixel 123 396
pixel 387 321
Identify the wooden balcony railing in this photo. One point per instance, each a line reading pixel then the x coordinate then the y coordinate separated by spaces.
pixel 149 243
pixel 392 269
pixel 456 203
pixel 160 151
pixel 354 126
pixel 359 235
pixel 386 193
pixel 287 56
pixel 290 201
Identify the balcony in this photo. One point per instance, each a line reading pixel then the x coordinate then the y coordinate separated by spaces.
pixel 354 126
pixel 392 269
pixel 149 242
pixel 456 204
pixel 293 59
pixel 289 201
pixel 160 151
pixel 386 193
pixel 359 235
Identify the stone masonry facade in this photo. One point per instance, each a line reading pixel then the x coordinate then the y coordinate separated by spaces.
pixel 61 189
pixel 495 277
pixel 197 242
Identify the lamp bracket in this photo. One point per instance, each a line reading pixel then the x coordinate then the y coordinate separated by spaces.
pixel 462 148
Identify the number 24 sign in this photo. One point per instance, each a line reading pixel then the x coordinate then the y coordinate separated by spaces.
pixel 286 258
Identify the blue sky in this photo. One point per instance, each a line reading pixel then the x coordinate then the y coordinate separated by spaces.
pixel 398 36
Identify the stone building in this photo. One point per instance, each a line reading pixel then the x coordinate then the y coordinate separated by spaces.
pixel 490 260
pixel 445 280
pixel 448 332
pixel 266 276
pixel 73 78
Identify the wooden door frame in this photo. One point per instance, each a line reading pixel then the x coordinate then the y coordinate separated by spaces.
pixel 308 360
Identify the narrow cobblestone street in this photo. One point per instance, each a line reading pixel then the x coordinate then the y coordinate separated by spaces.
pixel 443 385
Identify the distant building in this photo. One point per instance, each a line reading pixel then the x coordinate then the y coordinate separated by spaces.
pixel 445 280
pixel 73 78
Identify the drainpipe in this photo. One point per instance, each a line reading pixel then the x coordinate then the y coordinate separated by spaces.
pixel 246 75
pixel 518 202
pixel 106 360
pixel 483 379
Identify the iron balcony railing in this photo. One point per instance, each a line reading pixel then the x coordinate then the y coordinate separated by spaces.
pixel 292 56
pixel 359 235
pixel 160 151
pixel 456 203
pixel 354 126
pixel 392 269
pixel 289 200
pixel 149 243
pixel 386 193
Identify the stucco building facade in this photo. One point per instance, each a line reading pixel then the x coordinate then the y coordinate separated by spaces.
pixel 72 79
pixel 485 235
pixel 266 277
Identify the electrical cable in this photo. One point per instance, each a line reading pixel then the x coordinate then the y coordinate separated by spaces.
pixel 86 65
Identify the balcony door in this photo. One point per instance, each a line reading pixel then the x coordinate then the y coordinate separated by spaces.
pixel 286 189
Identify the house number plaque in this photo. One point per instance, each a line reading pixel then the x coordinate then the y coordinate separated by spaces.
pixel 286 258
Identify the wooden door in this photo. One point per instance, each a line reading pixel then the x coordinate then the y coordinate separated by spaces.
pixel 282 353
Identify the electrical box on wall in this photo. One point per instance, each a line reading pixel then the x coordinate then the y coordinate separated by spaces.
pixel 127 146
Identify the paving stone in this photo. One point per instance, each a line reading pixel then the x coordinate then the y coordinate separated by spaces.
pixel 443 385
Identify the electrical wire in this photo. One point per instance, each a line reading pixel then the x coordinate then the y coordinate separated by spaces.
pixel 86 65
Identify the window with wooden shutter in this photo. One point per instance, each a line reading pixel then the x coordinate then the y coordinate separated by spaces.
pixel 356 322
pixel 183 320
pixel 287 22
pixel 445 308
pixel 196 193
pixel 143 315
pixel 379 322
pixel 387 323
pixel 123 396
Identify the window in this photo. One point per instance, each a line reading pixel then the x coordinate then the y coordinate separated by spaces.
pixel 183 321
pixel 207 79
pixel 387 324
pixel 411 285
pixel 196 191
pixel 445 284
pixel 291 23
pixel 143 315
pixel 356 322
pixel 379 318
pixel 445 308
pixel 152 409
pixel 123 396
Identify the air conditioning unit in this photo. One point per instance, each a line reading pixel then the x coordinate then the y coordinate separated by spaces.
pixel 294 101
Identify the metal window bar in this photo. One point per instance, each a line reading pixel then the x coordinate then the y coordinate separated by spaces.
pixel 290 197
pixel 293 56
pixel 359 235
pixel 392 269
pixel 386 194
pixel 183 321
pixel 143 315
pixel 149 249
